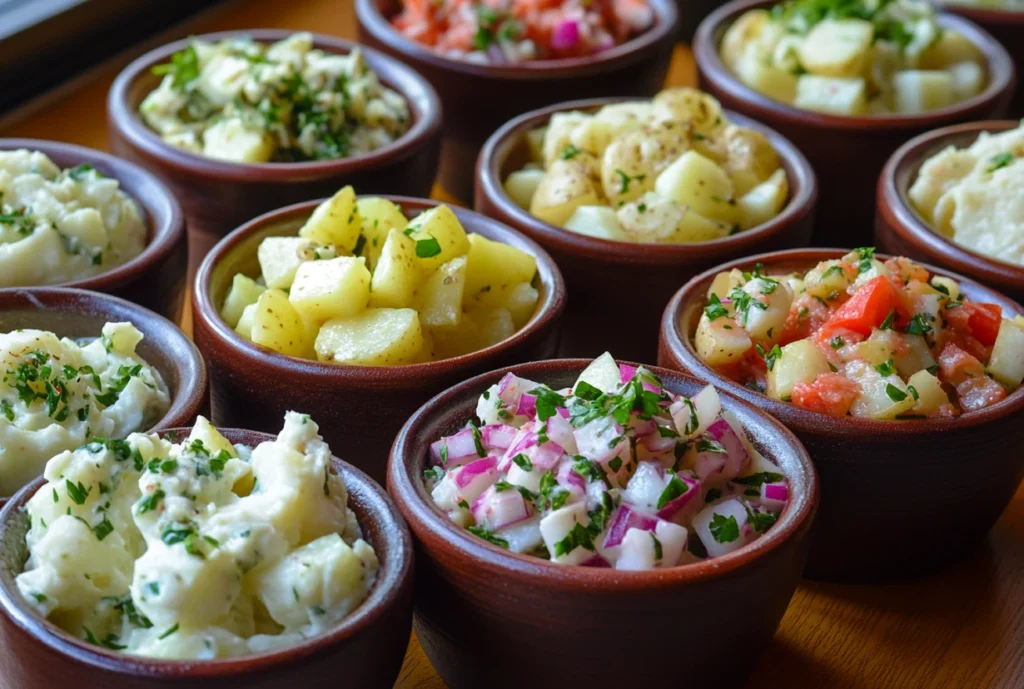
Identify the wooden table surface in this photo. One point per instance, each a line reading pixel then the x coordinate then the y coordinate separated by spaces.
pixel 960 629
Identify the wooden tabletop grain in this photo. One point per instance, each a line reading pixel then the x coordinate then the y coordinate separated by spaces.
pixel 960 629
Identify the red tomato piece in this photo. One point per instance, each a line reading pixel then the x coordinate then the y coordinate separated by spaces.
pixel 830 393
pixel 867 309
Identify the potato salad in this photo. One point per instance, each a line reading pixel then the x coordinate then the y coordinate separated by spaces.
pixel 62 225
pixel 862 337
pixel 57 394
pixel 362 284
pixel 196 549
pixel 248 102
pixel 673 169
pixel 613 472
pixel 856 57
pixel 973 195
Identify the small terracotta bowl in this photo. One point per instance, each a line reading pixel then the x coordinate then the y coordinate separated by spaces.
pixel 1007 26
pixel 359 408
pixel 366 649
pixel 156 277
pixel 479 98
pixel 899 498
pixel 218 196
pixel 488 617
pixel 847 152
pixel 619 289
pixel 900 230
pixel 76 313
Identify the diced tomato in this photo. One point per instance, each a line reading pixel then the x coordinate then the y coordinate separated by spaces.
pixel 867 309
pixel 956 365
pixel 983 321
pixel 830 393
pixel 964 372
pixel 806 315
pixel 906 270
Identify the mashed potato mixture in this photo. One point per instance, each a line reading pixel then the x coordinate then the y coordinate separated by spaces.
pixel 973 195
pixel 197 549
pixel 56 394
pixel 62 225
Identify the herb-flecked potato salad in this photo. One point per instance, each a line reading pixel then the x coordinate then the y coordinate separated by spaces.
pixel 854 57
pixel 248 102
pixel 672 169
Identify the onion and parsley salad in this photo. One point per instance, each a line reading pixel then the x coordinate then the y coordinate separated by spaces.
pixel 614 472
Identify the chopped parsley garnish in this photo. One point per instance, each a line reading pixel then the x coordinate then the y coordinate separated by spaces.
pixel 569 152
pixel 625 180
pixel 773 355
pixel 427 248
pixel 658 552
pixel 477 440
pixel 724 530
pixel 78 493
pixel 487 536
pixel 176 533
pixel 523 462
pixel 913 392
pixel 865 254
pixel 894 393
pixel 759 479
pixel 887 323
pixel 673 489
pixel 103 529
pixel 712 495
pixel 999 160
pixel 183 68
pixel 886 368
pixel 7 409
pixel 919 324
pixel 434 473
pixel 579 537
pixel 168 633
pixel 837 342
pixel 715 309
pixel 547 402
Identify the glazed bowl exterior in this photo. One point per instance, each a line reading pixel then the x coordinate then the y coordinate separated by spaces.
pixel 365 650
pixel 1007 27
pixel 218 196
pixel 619 289
pixel 479 98
pixel 847 152
pixel 359 408
pixel 899 498
pixel 156 277
pixel 900 230
pixel 490 618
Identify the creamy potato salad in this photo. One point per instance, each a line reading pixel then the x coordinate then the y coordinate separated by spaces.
pixel 854 57
pixel 248 102
pixel 62 225
pixel 973 195
pixel 198 549
pixel 57 394
pixel 673 169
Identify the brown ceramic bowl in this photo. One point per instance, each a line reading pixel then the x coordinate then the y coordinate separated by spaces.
pixel 480 98
pixel 76 313
pixel 1007 26
pixel 490 618
pixel 218 196
pixel 156 277
pixel 359 408
pixel 847 152
pixel 366 649
pixel 619 289
pixel 899 498
pixel 900 230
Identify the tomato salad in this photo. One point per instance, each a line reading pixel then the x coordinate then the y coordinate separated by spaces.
pixel 512 31
pixel 862 336
pixel 614 472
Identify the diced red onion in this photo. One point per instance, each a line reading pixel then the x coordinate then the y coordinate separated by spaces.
pixel 527 405
pixel 656 443
pixel 774 496
pixel 498 436
pixel 494 510
pixel 524 440
pixel 626 373
pixel 594 440
pixel 595 561
pixel 708 466
pixel 461 448
pixel 565 35
pixel 627 518
pixel 643 427
pixel 567 477
pixel 737 459
pixel 684 506
pixel 476 469
pixel 563 412
pixel 546 456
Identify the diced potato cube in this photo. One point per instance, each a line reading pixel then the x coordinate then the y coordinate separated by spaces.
pixel 535 144
pixel 377 217
pixel 766 324
pixel 244 291
pixel 698 182
pixel 280 257
pixel 801 362
pixel 493 266
pixel 825 279
pixel 1006 364
pixel 913 356
pixel 968 80
pixel 522 303
pixel 950 48
pixel 440 225
pixel 874 352
pixel 278 326
pixel 916 91
pixel 947 286
pixel 764 78
pixel 375 337
pixel 597 221
pixel 881 397
pixel 741 35
pixel 232 140
pixel 337 288
pixel 440 298
pixel 396 275
pixel 685 104
pixel 721 285
pixel 494 325
pixel 765 201
pixel 831 95
pixel 621 118
pixel 557 133
pixel 651 218
pixel 245 321
pixel 566 186
pixel 335 221
pixel 592 135
pixel 521 185
pixel 837 47
pixel 721 341
pixel 456 340
pixel 694 228
pixel 929 393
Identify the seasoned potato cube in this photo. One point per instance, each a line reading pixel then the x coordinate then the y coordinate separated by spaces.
pixel 873 351
pixel 699 183
pixel 950 48
pixel 913 356
pixel 456 340
pixel 493 324
pixel 280 257
pixel 244 291
pixel 535 144
pixel 337 288
pixel 375 337
pixel 968 80
pixel 232 140
pixel 831 95
pixel 521 185
pixel 685 104
pixel 694 228
pixel 377 217
pixel 566 186
pixel 440 298
pixel 765 201
pixel 278 326
pixel 1006 364
pixel 749 157
pixel 396 275
pixel 721 285
pixel 493 266
pixel 741 35
pixel 245 321
pixel 632 162
pixel 651 218
pixel 928 393
pixel 720 341
pixel 597 221
pixel 826 278
pixel 624 117
pixel 441 225
pixel 335 221
pixel 764 78
pixel 522 303
pixel 591 135
pixel 801 362
pixel 837 47
pixel 559 129
pixel 881 397
pixel 917 91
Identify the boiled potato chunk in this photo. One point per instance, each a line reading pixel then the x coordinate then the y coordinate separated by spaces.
pixel 597 221
pixel 916 91
pixel 694 228
pixel 837 47
pixel 440 224
pixel 335 221
pixel 245 321
pixel 591 136
pixel 766 325
pixel 620 118
pixel 280 257
pixel 721 341
pixel 632 162
pixel 741 34
pixel 478 329
pixel 699 183
pixel 881 397
pixel 492 266
pixel 337 288
pixel 968 80
pixel 278 326
pixel 765 201
pixel 1007 361
pixel 521 185
pixel 244 291
pixel 494 325
pixel 765 78
pixel 232 140
pixel 950 48
pixel 930 395
pixel 522 303
pixel 652 218
pixel 535 144
pixel 566 186
pixel 396 275
pixel 375 337
pixel 377 217
pixel 440 298
pixel 749 157
pixel 826 278
pixel 801 362
pixel 686 104
pixel 558 132
pixel 831 96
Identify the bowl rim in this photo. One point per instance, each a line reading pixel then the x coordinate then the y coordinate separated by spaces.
pixel 549 308
pixel 392 577
pixel 421 513
pixel 158 202
pixel 490 189
pixel 1001 79
pixel 906 223
pixel 802 420
pixel 190 397
pixel 419 95
pixel 667 15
